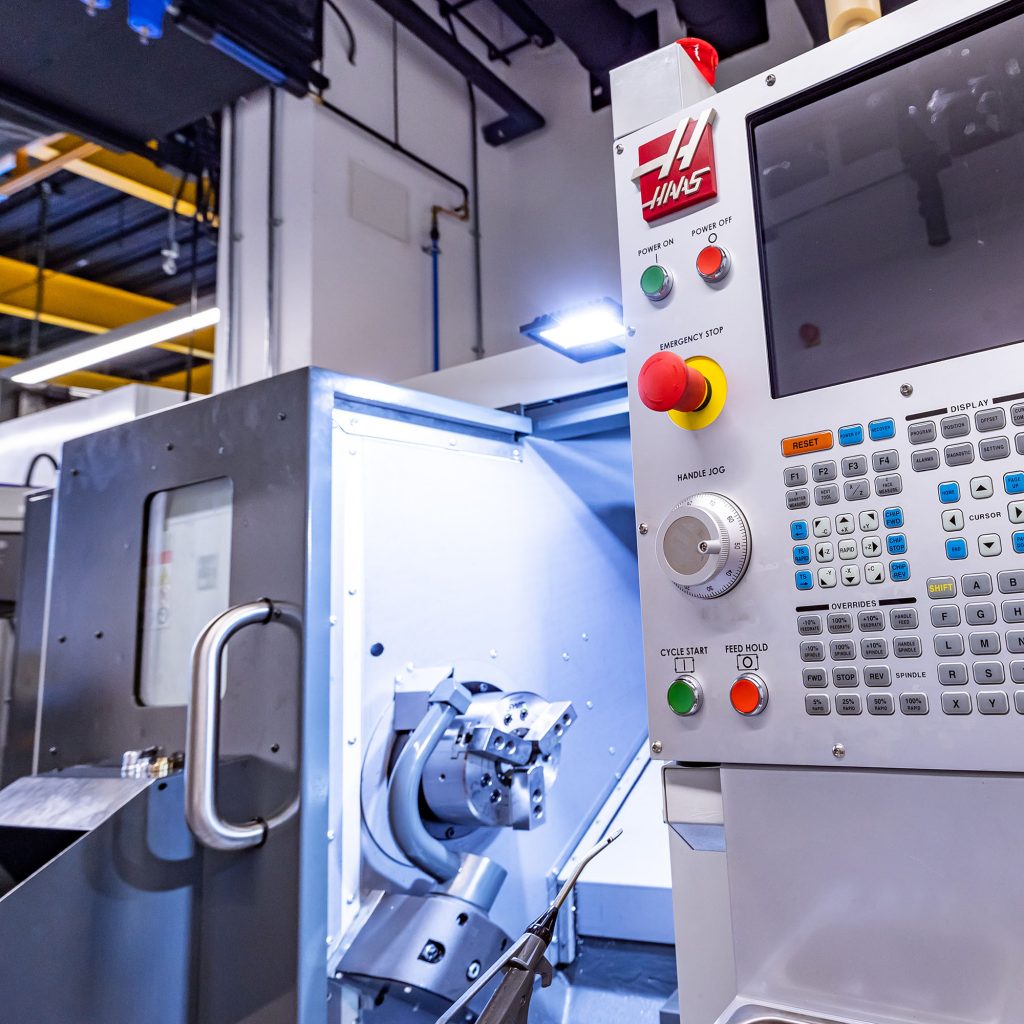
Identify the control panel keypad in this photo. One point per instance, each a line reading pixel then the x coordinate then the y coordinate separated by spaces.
pixel 921 432
pixel 993 702
pixel 955 426
pixel 859 477
pixel 976 643
pixel 957 622
pixel 953 518
pixel 958 454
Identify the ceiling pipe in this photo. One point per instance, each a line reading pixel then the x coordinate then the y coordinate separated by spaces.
pixel 814 15
pixel 730 28
pixel 847 15
pixel 520 118
pixel 526 21
pixel 602 36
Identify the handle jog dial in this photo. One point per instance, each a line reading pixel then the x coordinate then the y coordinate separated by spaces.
pixel 704 545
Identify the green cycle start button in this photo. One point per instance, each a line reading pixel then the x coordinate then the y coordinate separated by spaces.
pixel 685 696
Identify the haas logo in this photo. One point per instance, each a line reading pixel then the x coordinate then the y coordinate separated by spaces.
pixel 678 170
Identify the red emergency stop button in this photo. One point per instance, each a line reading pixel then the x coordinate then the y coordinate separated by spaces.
pixel 749 695
pixel 713 263
pixel 667 382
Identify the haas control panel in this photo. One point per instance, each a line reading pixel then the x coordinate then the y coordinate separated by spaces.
pixel 822 278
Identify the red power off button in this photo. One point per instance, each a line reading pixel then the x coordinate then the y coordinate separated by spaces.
pixel 713 263
pixel 749 695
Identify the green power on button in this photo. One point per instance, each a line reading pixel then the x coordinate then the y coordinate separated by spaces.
pixel 685 696
pixel 656 282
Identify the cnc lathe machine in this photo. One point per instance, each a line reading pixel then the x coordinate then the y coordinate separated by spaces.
pixel 822 277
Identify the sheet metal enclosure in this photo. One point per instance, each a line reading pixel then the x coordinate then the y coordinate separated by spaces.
pixel 20 721
pixel 409 531
pixel 850 841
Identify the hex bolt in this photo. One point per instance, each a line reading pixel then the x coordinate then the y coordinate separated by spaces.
pixel 473 971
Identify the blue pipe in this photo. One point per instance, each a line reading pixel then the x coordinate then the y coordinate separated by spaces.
pixel 435 254
pixel 147 17
pixel 245 57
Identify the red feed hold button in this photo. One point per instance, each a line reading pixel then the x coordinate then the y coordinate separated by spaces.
pixel 666 382
pixel 713 263
pixel 749 695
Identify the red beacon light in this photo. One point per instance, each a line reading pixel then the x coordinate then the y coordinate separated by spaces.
pixel 703 54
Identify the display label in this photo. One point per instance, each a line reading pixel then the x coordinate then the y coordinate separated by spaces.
pixel 677 170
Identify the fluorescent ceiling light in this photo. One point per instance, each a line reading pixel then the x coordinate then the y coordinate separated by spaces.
pixel 99 348
pixel 581 332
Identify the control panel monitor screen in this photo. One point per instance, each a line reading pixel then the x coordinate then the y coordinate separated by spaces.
pixel 892 213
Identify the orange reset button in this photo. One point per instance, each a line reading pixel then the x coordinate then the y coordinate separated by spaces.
pixel 819 442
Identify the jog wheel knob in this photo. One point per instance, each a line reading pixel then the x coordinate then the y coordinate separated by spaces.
pixel 704 545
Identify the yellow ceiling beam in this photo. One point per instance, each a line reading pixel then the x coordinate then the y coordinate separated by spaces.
pixel 202 379
pixel 25 176
pixel 125 172
pixel 81 305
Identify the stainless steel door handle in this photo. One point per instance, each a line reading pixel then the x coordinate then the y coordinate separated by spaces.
pixel 201 739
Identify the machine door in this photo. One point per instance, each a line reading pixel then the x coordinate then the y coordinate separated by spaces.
pixel 164 524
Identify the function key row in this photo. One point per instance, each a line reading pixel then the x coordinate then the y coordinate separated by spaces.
pixel 951 645
pixel 989 449
pixel 942 588
pixel 871 547
pixel 848 677
pixel 989 544
pixel 977 613
pixel 867 621
pixel 959 425
pixel 954 673
pixel 990 702
pixel 981 487
pixel 851 466
pixel 849 436
pixel 873 648
pixel 878 430
pixel 853 490
pixel 876 703
pixel 874 572
pixel 846 523
pixel 950 673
